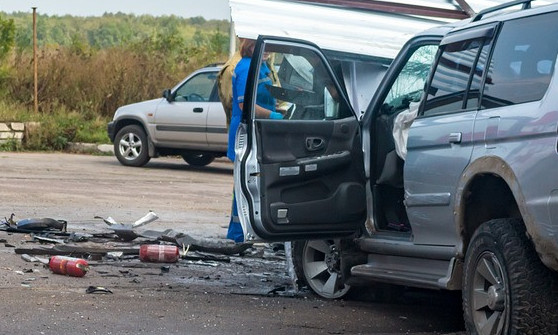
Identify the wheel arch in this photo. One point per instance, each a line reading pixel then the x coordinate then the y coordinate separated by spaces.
pixel 132 120
pixel 121 123
pixel 489 189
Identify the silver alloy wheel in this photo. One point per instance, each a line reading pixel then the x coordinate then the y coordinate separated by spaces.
pixel 320 264
pixel 489 295
pixel 130 146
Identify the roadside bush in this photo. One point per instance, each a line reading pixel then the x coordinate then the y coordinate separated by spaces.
pixel 98 82
pixel 81 84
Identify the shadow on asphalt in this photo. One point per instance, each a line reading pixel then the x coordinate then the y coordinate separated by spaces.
pixel 216 168
pixel 441 307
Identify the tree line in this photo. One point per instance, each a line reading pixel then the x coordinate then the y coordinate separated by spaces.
pixel 92 65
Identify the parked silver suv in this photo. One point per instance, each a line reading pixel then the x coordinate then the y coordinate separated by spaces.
pixel 188 120
pixel 445 183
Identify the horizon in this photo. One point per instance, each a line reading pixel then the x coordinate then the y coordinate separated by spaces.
pixel 208 9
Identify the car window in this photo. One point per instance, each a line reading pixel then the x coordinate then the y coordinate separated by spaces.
pixel 302 85
pixel 198 88
pixel 523 62
pixel 409 85
pixel 459 67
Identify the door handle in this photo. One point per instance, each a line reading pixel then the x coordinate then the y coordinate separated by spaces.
pixel 455 137
pixel 314 143
pixel 198 110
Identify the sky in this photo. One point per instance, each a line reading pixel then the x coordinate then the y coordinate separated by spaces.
pixel 209 9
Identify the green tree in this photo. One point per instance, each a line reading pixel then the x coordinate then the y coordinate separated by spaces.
pixel 7 36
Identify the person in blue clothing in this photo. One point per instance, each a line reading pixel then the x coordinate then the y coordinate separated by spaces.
pixel 265 108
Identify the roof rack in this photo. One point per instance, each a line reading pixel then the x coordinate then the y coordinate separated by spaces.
pixel 526 5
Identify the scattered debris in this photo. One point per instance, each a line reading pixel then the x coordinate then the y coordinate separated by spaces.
pixel 201 256
pixel 84 249
pixel 114 255
pixel 225 247
pixel 42 224
pixel 287 247
pixel 124 247
pixel 34 224
pixel 97 289
pixel 42 239
pixel 109 221
pixel 126 231
pixel 28 258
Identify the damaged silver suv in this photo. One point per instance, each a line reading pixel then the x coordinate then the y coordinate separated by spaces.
pixel 446 182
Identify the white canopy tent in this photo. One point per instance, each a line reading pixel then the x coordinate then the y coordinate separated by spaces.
pixel 331 28
pixel 340 27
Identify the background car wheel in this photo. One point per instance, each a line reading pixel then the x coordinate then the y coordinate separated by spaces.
pixel 198 159
pixel 130 146
pixel 317 264
pixel 507 289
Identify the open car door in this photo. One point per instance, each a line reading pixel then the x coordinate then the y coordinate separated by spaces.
pixel 300 177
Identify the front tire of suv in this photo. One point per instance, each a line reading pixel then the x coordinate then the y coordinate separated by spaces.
pixel 507 289
pixel 198 159
pixel 130 146
pixel 317 264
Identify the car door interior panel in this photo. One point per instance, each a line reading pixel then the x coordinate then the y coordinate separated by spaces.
pixel 308 172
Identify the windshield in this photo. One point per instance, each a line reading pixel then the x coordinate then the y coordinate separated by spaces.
pixel 409 85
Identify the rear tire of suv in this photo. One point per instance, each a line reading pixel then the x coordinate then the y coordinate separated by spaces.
pixel 198 159
pixel 130 146
pixel 507 289
pixel 317 264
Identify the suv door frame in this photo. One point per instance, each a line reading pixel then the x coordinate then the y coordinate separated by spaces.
pixel 248 168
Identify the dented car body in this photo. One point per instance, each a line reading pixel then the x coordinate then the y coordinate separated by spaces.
pixel 469 203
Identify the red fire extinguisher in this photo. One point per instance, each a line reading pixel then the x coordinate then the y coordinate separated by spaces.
pixel 158 253
pixel 75 267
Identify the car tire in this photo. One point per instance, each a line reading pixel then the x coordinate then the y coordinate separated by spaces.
pixel 317 265
pixel 198 159
pixel 506 288
pixel 130 146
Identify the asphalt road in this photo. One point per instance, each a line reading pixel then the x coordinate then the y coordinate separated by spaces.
pixel 239 294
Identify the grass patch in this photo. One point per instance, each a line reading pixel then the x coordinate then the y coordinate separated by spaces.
pixel 55 129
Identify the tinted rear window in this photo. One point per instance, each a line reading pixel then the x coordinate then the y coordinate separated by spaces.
pixel 523 61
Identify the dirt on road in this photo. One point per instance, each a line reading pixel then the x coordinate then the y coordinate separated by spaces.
pixel 247 293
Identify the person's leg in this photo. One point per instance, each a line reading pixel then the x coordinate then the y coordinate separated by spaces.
pixel 235 232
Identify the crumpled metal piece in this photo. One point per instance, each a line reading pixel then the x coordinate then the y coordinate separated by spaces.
pixel 126 231
pixel 97 289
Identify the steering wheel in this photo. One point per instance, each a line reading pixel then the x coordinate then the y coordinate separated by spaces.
pixel 195 97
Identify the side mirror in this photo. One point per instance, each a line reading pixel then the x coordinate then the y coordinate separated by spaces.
pixel 168 95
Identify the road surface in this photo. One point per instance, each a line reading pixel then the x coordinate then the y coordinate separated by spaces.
pixel 248 294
